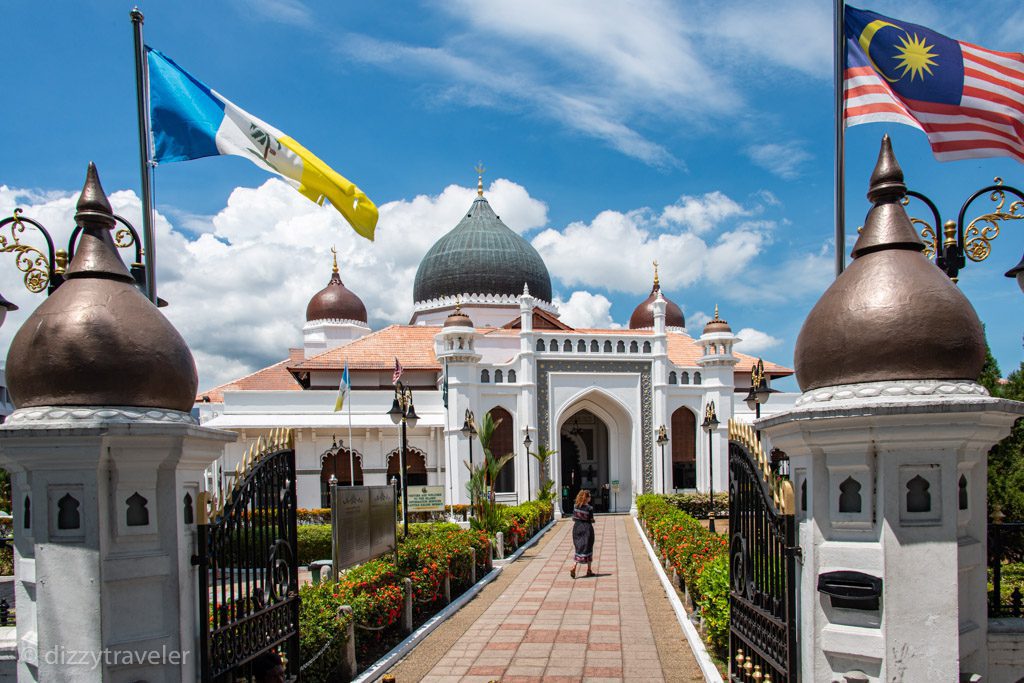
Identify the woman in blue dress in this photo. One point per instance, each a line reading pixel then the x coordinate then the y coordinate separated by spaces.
pixel 582 533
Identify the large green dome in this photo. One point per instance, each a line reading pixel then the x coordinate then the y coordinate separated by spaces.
pixel 481 255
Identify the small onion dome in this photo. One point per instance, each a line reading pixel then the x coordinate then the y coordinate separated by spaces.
pixel 892 315
pixel 335 301
pixel 458 319
pixel 717 324
pixel 643 315
pixel 97 340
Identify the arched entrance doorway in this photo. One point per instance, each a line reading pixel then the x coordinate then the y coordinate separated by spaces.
pixel 335 462
pixel 583 445
pixel 415 466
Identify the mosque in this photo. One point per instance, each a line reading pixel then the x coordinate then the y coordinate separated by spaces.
pixel 485 338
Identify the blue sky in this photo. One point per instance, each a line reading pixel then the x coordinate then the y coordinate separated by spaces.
pixel 613 134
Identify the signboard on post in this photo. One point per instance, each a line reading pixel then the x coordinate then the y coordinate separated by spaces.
pixel 362 524
pixel 426 499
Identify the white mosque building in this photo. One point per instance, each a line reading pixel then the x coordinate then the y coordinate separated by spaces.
pixel 484 319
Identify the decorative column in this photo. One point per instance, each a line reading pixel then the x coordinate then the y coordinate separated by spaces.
pixel 455 347
pixel 107 466
pixel 659 378
pixel 717 365
pixel 887 452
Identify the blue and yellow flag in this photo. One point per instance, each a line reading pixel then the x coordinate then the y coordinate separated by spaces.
pixel 190 120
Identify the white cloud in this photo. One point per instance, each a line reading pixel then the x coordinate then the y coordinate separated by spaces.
pixel 783 160
pixel 238 292
pixel 623 245
pixel 755 341
pixel 586 310
pixel 700 214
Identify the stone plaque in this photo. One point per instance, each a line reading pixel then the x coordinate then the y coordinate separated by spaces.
pixel 363 521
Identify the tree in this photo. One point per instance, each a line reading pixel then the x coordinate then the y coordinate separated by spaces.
pixel 1006 459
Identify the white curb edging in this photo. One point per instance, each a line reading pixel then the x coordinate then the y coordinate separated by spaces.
pixel 536 537
pixel 380 667
pixel 398 651
pixel 707 667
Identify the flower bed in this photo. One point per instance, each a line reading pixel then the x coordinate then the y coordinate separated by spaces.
pixel 520 522
pixel 376 592
pixel 699 557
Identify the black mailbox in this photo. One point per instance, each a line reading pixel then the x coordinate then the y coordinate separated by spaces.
pixel 851 590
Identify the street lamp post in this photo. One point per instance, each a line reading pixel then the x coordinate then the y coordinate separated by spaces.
pixel 710 424
pixel 403 412
pixel 527 442
pixel 469 431
pixel 759 391
pixel 44 268
pixel 973 241
pixel 662 440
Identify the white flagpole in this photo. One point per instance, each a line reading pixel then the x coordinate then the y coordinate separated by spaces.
pixel 351 457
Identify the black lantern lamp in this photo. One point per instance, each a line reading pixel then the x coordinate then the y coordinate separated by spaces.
pixel 662 440
pixel 527 442
pixel 1018 272
pixel 469 431
pixel 403 412
pixel 759 389
pixel 710 424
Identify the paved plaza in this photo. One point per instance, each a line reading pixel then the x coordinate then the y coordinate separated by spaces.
pixel 538 624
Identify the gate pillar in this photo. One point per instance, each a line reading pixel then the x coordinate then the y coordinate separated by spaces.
pixel 106 466
pixel 887 454
pixel 105 529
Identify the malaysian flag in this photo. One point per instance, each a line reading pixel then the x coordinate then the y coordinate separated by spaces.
pixel 398 372
pixel 969 101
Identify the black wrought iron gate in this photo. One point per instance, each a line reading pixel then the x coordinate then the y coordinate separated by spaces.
pixel 762 565
pixel 248 565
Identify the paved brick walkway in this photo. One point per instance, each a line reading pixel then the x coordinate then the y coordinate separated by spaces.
pixel 547 627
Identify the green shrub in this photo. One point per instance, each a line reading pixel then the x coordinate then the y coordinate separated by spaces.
pixel 699 504
pixel 322 625
pixel 314 541
pixel 693 551
pixel 713 585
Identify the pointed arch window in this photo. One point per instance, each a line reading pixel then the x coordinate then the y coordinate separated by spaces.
pixel 594 348
pixel 567 346
pixel 697 379
pixel 553 345
pixel 849 496
pixel 647 347
pixel 540 345
pixel 498 376
pixel 684 377
pixel 581 346
pixel 485 376
pixel 511 376
pixel 672 378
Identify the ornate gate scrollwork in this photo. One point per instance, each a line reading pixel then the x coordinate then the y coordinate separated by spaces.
pixel 248 564
pixel 762 564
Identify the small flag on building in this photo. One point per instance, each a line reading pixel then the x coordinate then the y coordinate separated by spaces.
pixel 968 100
pixel 190 120
pixel 398 372
pixel 343 389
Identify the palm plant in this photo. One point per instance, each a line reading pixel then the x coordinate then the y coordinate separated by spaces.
pixel 482 478
pixel 543 454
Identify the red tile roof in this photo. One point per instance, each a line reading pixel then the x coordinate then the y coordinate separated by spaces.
pixel 273 378
pixel 413 345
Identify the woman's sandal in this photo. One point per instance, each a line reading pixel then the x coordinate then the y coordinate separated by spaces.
pixel 572 572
